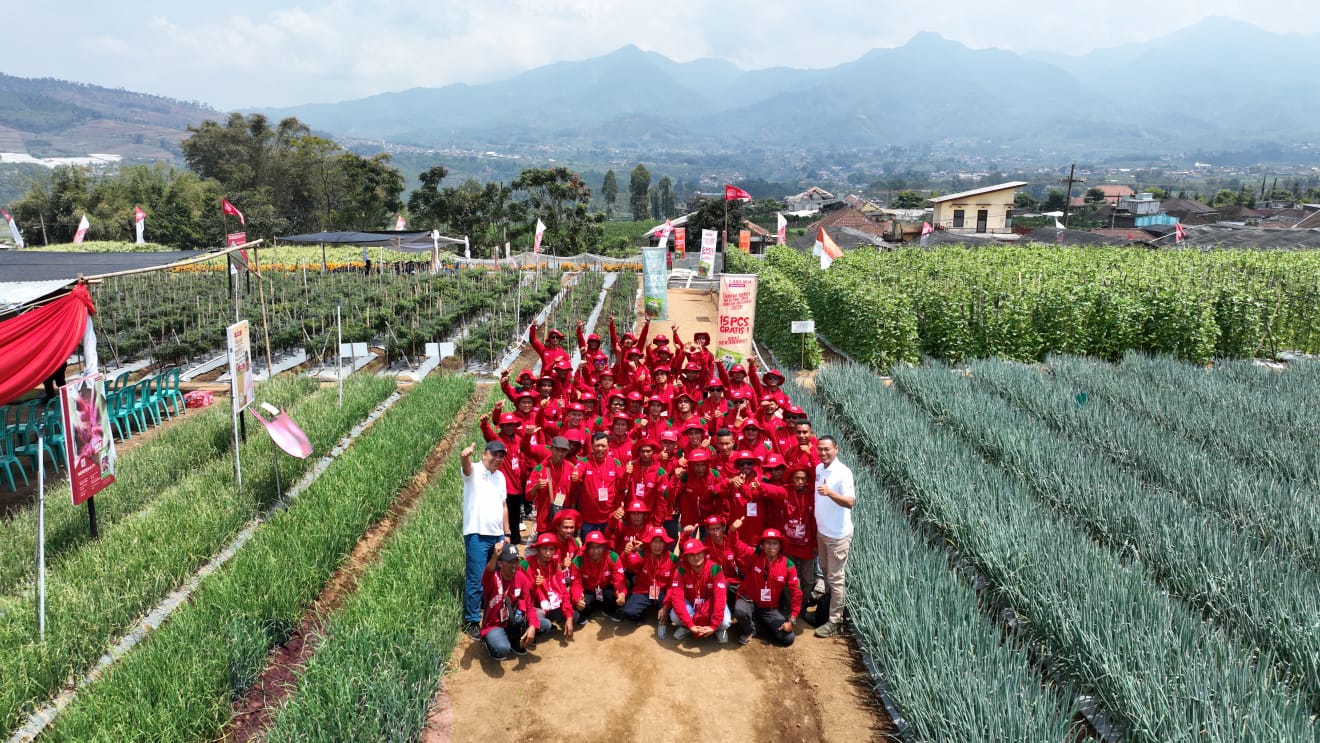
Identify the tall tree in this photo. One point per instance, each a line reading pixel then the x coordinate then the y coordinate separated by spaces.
pixel 609 190
pixel 666 188
pixel 638 185
pixel 561 200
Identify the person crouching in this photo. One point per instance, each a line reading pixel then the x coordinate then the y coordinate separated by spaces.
pixel 652 568
pixel 598 580
pixel 549 591
pixel 770 598
pixel 507 598
pixel 699 596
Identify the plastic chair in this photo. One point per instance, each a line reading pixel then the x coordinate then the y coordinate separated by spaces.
pixel 156 397
pixel 26 442
pixel 143 408
pixel 120 407
pixel 55 438
pixel 8 460
pixel 171 390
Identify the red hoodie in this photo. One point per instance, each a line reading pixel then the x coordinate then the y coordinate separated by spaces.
pixel 594 576
pixel 553 593
pixel 651 574
pixel 765 581
pixel 501 598
pixel 705 588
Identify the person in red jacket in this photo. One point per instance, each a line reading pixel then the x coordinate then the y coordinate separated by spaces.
pixel 748 499
pixel 645 480
pixel 804 451
pixel 652 568
pixel 751 437
pixel 621 443
pixel 769 597
pixel 698 490
pixel 598 477
pixel 629 529
pixel 713 405
pixel 598 579
pixel 797 516
pixel 506 591
pixel 512 467
pixel 726 549
pixel 735 381
pixel 698 596
pixel 550 483
pixel 549 591
pixel 551 351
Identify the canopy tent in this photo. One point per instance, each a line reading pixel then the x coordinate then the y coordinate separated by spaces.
pixel 35 344
pixel 47 265
pixel 409 241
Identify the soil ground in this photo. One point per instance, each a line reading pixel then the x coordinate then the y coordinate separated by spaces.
pixel 617 682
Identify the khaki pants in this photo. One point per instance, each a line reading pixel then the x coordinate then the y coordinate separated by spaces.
pixel 832 554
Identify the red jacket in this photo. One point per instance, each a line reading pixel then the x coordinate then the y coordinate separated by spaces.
pixel 650 572
pixel 589 577
pixel 729 554
pixel 619 531
pixel 512 466
pixel 553 592
pixel 795 458
pixel 501 599
pixel 764 582
pixel 795 516
pixel 646 484
pixel 559 492
pixel 755 503
pixel 598 495
pixel 699 498
pixel 705 588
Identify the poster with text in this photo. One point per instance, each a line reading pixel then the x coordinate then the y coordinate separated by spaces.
pixel 707 265
pixel 89 445
pixel 655 283
pixel 745 241
pixel 680 241
pixel 733 342
pixel 243 386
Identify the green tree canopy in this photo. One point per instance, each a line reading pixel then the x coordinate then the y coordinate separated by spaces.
pixel 609 191
pixel 638 186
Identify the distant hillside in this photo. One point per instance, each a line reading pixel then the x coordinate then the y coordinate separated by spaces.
pixel 54 118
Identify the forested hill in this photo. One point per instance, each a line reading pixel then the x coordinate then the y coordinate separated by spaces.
pixel 49 118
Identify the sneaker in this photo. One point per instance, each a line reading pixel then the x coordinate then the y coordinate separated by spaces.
pixel 744 639
pixel 520 651
pixel 472 629
pixel 721 636
pixel 828 629
pixel 613 617
pixel 661 631
pixel 681 633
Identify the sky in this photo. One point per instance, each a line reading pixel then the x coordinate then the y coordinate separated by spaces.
pixel 239 54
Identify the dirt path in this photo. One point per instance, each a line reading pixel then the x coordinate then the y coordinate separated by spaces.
pixel 253 713
pixel 618 682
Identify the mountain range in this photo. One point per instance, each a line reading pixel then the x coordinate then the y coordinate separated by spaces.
pixel 1215 85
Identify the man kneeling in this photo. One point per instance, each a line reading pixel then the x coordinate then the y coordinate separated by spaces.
pixel 507 592
pixel 598 582
pixel 549 592
pixel 770 581
pixel 699 596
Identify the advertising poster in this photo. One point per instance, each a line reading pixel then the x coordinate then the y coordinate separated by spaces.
pixel 733 342
pixel 89 445
pixel 243 386
pixel 655 283
pixel 680 241
pixel 707 265
pixel 745 241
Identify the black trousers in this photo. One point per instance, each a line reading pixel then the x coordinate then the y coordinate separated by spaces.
pixel 605 604
pixel 751 618
pixel 514 502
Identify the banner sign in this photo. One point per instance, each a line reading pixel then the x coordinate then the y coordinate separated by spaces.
pixel 655 283
pixel 242 384
pixel 803 326
pixel 733 342
pixel 89 446
pixel 745 241
pixel 707 265
pixel 680 241
pixel 235 238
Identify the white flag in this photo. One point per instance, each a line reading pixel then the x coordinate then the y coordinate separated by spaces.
pixel 13 229
pixel 467 249
pixel 83 226
pixel 781 232
pixel 400 222
pixel 508 252
pixel 139 223
pixel 665 232
pixel 1057 224
pixel 540 231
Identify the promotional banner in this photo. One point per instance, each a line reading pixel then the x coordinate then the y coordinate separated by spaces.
pixel 235 238
pixel 13 229
pixel 89 445
pixel 781 229
pixel 655 283
pixel 243 386
pixel 733 342
pixel 83 226
pixel 139 223
pixel 680 241
pixel 707 265
pixel 745 241
pixel 540 233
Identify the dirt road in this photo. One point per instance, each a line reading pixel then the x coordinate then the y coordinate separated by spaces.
pixel 617 682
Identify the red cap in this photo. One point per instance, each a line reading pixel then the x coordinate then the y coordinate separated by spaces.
pixel 773 373
pixel 574 434
pixel 525 374
pixel 701 334
pixel 586 396
pixel 771 534
pixel 692 366
pixel 594 537
pixel 716 382
pixel 547 540
pixel 661 340
pixel 751 423
pixel 745 456
pixel 637 447
pixel 636 506
pixel 565 515
pixel 715 519
pixel 737 369
pixel 614 395
pixel 635 396
pixel 682 394
pixel 700 455
pixel 693 546
pixel 657 531
pixel 792 409
pixel 621 417
pixel 772 461
pixel 634 351
pixel 693 425
pixel 579 407
pixel 669 436
pixel 553 332
pixel 563 365
pixel 656 398
pixel 509 418
pixel 593 337
pixel 525 393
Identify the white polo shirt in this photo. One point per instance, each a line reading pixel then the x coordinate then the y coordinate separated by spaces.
pixel 833 520
pixel 484 498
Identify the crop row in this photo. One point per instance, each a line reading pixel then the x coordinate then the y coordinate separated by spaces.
pixel 506 320
pixel 1025 302
pixel 98 590
pixel 779 302
pixel 140 476
pixel 941 660
pixel 179 684
pixel 1163 673
pixel 1259 592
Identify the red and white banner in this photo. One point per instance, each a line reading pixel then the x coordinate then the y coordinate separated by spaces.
pixel 737 317
pixel 540 232
pixel 680 241
pixel 83 226
pixel 926 229
pixel 706 267
pixel 232 211
pixel 665 232
pixel 89 445
pixel 745 241
pixel 236 238
pixel 828 250
pixel 400 222
pixel 13 230
pixel 139 223
pixel 733 193
pixel 781 230
pixel 1178 233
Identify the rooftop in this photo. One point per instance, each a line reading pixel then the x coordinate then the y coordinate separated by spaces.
pixel 978 191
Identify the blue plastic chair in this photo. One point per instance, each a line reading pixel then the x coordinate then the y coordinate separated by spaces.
pixel 119 405
pixel 142 406
pixel 7 459
pixel 171 392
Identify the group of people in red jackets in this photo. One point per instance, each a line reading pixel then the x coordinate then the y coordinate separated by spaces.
pixel 659 482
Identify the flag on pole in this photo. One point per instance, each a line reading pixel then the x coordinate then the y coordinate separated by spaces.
pixel 467 248
pixel 1058 225
pixel 139 223
pixel 232 210
pixel 13 229
pixel 781 232
pixel 540 232
pixel 508 251
pixel 82 230
pixel 665 231
pixel 733 193
pixel 828 250
pixel 400 222
pixel 926 229
pixel 1178 233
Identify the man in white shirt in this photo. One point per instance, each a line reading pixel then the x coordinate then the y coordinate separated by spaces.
pixel 485 522
pixel 835 496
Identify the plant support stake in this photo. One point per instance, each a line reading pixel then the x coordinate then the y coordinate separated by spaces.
pixel 41 529
pixel 339 350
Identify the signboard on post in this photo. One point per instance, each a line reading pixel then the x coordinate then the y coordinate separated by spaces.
pixel 733 342
pixel 706 267
pixel 242 384
pixel 655 283
pixel 745 241
pixel 89 445
pixel 680 241
pixel 235 238
pixel 803 326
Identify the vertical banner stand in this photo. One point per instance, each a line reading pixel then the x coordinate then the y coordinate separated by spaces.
pixel 339 349
pixel 238 464
pixel 41 530
pixel 91 517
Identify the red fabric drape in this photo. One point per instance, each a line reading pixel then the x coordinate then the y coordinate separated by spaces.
pixel 36 343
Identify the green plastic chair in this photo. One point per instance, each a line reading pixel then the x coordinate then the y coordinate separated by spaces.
pixel 55 429
pixel 171 390
pixel 26 439
pixel 120 407
pixel 143 407
pixel 7 458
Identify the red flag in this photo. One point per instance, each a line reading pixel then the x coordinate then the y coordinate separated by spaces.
pixel 1178 233
pixel 83 226
pixel 232 210
pixel 828 250
pixel 733 193
pixel 139 223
